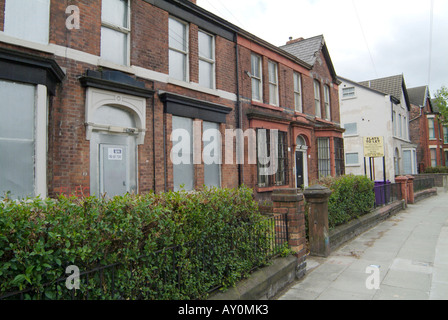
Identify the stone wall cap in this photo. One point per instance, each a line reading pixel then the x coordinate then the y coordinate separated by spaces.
pixel 317 191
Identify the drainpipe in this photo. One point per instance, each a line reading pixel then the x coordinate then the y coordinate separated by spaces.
pixel 239 111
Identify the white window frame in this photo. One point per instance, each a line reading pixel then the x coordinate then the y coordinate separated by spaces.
pixel 40 139
pixel 431 120
pixel 432 160
pixel 351 125
pixel 445 134
pixel 298 92
pixel 186 54
pixel 259 79
pixel 352 164
pixel 273 84
pixel 349 92
pixel 317 104
pixel 212 61
pixel 217 143
pixel 124 30
pixel 24 34
pixel 327 102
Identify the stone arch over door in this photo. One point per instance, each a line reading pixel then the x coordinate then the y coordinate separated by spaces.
pixel 397 162
pixel 115 126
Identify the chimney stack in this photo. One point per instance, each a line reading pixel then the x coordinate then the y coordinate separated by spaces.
pixel 291 40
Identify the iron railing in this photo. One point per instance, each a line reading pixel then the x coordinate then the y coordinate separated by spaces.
pixel 166 273
pixel 387 193
pixel 423 184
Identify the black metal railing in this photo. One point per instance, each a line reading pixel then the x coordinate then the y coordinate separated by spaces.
pixel 387 193
pixel 170 272
pixel 423 184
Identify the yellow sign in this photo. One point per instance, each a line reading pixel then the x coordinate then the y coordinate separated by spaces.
pixel 373 147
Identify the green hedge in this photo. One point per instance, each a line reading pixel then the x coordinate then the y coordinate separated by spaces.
pixel 39 237
pixel 352 196
pixel 439 169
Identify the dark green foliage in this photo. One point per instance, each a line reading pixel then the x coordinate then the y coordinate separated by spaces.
pixel 352 196
pixel 153 239
pixel 439 169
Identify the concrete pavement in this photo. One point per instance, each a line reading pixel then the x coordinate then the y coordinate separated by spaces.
pixel 403 258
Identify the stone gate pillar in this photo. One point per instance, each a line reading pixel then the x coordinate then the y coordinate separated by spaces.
pixel 411 198
pixel 290 202
pixel 318 230
pixel 403 182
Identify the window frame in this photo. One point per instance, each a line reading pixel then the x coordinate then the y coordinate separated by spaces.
pixel 258 79
pixel 351 92
pixel 185 54
pixel 351 125
pixel 40 137
pixel 281 177
pixel 123 30
pixel 431 128
pixel 297 79
pixel 327 102
pixel 317 99
pixel 218 144
pixel 347 163
pixel 273 84
pixel 31 37
pixel 212 61
pixel 323 158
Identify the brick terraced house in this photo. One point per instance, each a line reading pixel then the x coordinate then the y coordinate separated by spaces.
pixel 427 131
pixel 93 92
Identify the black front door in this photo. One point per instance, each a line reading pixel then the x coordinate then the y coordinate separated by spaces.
pixel 299 169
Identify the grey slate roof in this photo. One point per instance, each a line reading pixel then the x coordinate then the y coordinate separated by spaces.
pixel 393 85
pixel 417 95
pixel 389 85
pixel 306 49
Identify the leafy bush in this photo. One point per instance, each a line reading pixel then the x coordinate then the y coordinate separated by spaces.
pixel 439 169
pixel 352 196
pixel 38 238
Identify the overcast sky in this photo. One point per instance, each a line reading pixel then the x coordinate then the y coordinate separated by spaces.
pixel 366 39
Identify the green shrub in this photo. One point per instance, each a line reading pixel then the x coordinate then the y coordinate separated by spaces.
pixel 352 196
pixel 38 238
pixel 439 169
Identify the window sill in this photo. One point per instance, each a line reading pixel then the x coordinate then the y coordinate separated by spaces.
pixel 267 106
pixel 269 189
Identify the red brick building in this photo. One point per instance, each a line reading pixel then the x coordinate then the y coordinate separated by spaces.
pixel 427 131
pixel 93 92
pixel 293 89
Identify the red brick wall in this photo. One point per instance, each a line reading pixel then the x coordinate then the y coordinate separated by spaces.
pixel 88 37
pixel 2 15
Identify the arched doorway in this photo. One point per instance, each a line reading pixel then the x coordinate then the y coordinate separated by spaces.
pixel 301 163
pixel 115 126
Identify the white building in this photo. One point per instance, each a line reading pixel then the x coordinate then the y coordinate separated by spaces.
pixel 377 108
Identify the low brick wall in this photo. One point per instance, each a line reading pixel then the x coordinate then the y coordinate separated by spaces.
pixel 348 231
pixel 263 284
pixel 440 179
pixel 421 195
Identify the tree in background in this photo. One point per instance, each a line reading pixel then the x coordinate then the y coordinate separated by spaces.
pixel 441 101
